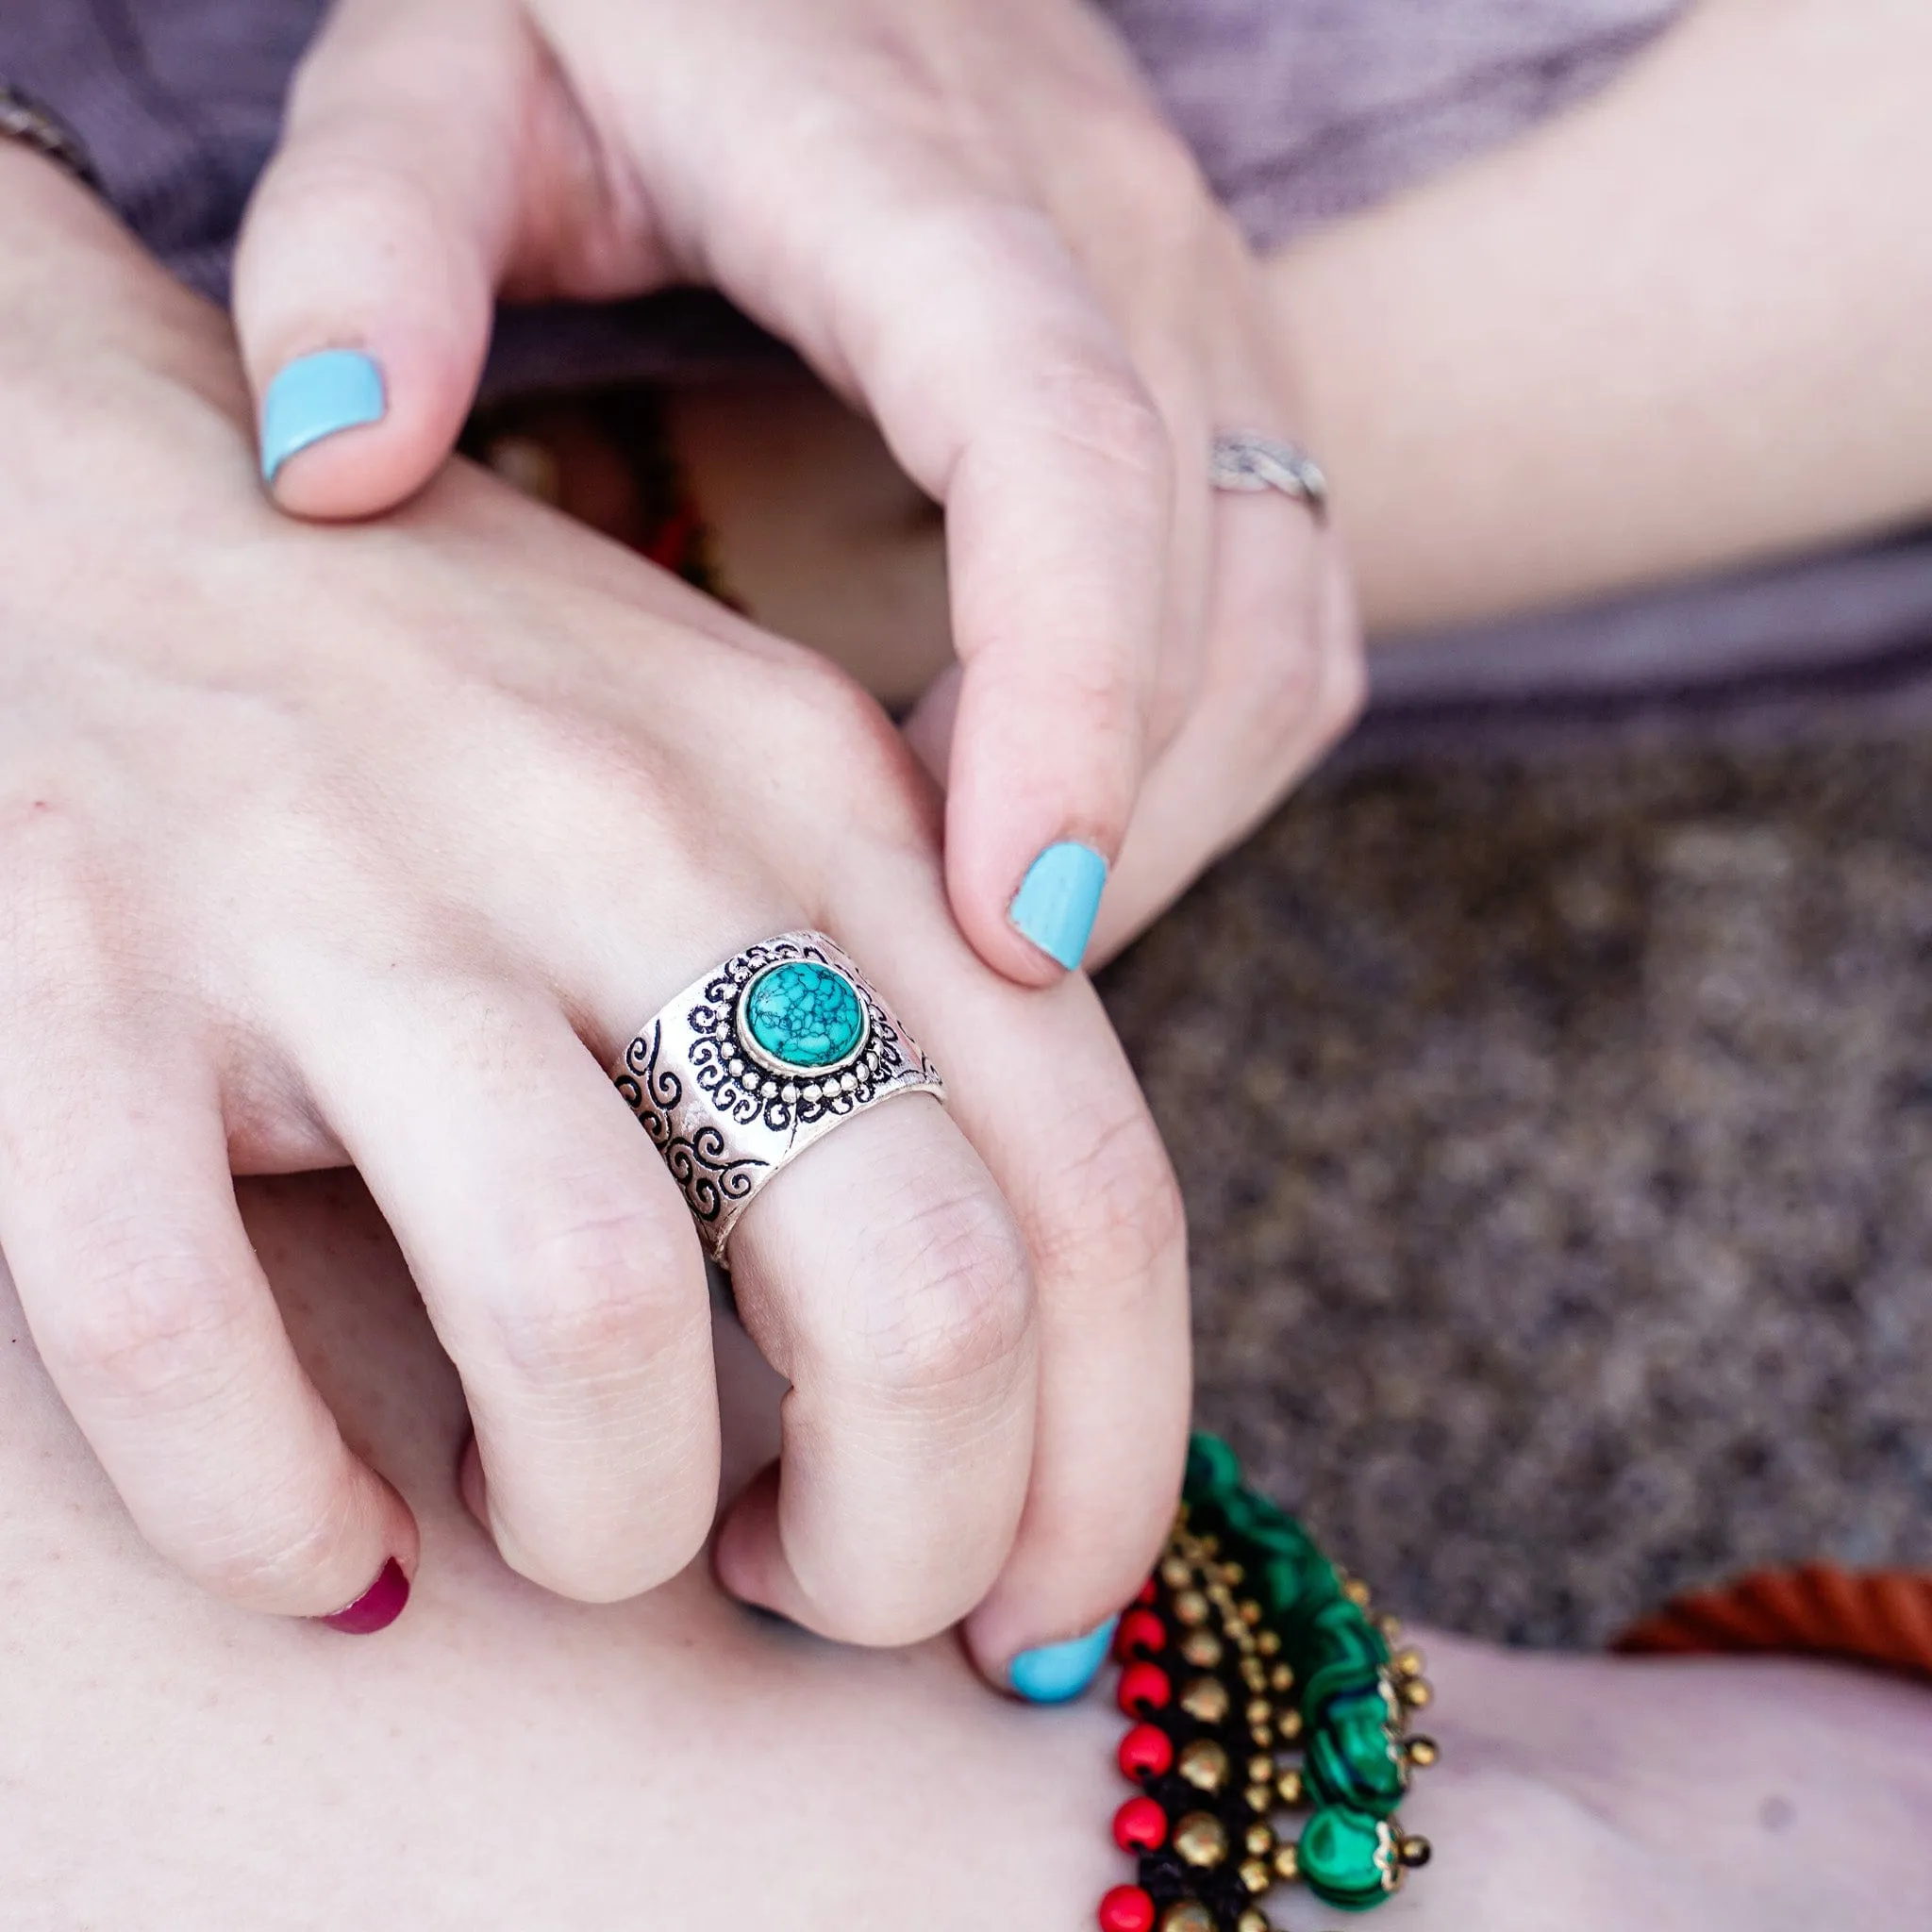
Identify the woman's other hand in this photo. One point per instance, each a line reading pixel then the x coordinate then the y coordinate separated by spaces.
pixel 972 221
pixel 374 845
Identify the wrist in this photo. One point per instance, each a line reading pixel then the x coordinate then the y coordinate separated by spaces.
pixel 78 292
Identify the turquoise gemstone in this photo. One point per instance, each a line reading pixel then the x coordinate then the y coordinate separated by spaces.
pixel 803 1015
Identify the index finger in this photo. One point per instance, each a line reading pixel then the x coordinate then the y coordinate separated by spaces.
pixel 1005 391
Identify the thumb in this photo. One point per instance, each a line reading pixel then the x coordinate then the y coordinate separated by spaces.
pixel 366 276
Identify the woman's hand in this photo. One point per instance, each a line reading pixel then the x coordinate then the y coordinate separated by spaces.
pixel 373 846
pixel 969 217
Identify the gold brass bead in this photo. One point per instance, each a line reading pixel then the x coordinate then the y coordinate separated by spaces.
pixel 1414 1852
pixel 1407 1663
pixel 1290 1722
pixel 1252 1920
pixel 1211 1545
pixel 1232 1573
pixel 1203 1765
pixel 1282 1679
pixel 1201 1838
pixel 1206 1699
pixel 1261 1736
pixel 1260 1710
pixel 1201 1649
pixel 1267 1641
pixel 1389 1624
pixel 1358 1592
pixel 1176 1573
pixel 1186 1915
pixel 1260 1799
pixel 1256 1876
pixel 1288 1863
pixel 1261 1769
pixel 1191 1607
pixel 1288 1788
pixel 1421 1752
pixel 1416 1694
pixel 1251 1611
pixel 1220 1597
pixel 1258 1840
pixel 1254 1673
pixel 1239 1636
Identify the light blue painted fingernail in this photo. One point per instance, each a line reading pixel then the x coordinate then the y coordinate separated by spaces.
pixel 315 397
pixel 1057 1672
pixel 1058 900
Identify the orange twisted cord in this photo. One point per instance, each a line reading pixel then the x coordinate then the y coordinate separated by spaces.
pixel 1883 1617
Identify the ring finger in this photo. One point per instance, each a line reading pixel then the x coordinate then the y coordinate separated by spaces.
pixel 557 1262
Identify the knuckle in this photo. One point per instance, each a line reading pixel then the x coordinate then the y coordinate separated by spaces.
pixel 1101 408
pixel 147 1329
pixel 266 1564
pixel 950 1297
pixel 628 1553
pixel 1283 700
pixel 586 1298
pixel 1114 1217
pixel 883 791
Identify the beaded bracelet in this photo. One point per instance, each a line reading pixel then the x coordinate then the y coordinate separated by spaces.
pixel 26 121
pixel 1222 1685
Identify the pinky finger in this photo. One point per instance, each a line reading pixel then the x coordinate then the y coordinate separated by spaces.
pixel 156 1322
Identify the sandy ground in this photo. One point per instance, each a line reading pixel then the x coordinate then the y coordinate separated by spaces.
pixel 1555 1135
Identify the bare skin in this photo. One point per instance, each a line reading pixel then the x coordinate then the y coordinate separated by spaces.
pixel 1663 334
pixel 504 1759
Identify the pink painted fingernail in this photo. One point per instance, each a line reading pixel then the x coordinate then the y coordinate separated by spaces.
pixel 377 1608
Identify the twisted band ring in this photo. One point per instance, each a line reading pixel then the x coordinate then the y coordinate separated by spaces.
pixel 1240 459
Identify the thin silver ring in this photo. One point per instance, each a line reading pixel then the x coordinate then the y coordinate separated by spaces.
pixel 1240 459
pixel 756 1061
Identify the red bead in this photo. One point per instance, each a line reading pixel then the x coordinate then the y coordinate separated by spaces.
pixel 1140 1825
pixel 1139 1630
pixel 1127 1908
pixel 1148 1591
pixel 1144 1687
pixel 1146 1751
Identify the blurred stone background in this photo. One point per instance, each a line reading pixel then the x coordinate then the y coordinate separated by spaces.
pixel 1554 1134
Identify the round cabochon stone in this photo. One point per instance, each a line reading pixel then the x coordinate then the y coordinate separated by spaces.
pixel 803 1015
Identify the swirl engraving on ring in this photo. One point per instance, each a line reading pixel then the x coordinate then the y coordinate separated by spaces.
pixel 725 1110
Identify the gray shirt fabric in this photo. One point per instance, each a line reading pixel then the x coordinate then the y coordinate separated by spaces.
pixel 1299 109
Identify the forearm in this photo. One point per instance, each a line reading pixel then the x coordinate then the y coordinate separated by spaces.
pixel 1682 327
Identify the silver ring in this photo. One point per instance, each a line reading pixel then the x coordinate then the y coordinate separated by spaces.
pixel 751 1064
pixel 1240 459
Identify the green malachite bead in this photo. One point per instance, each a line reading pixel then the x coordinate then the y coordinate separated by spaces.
pixel 1214 1473
pixel 803 1015
pixel 1292 1587
pixel 1267 1527
pixel 1352 1757
pixel 1335 1629
pixel 1337 1652
pixel 1348 1858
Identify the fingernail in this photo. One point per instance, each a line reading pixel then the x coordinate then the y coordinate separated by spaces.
pixel 377 1608
pixel 1058 899
pixel 315 397
pixel 1057 1672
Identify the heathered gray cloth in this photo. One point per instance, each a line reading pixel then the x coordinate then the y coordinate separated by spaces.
pixel 1300 110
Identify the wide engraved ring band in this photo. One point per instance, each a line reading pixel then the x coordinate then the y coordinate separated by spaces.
pixel 752 1063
